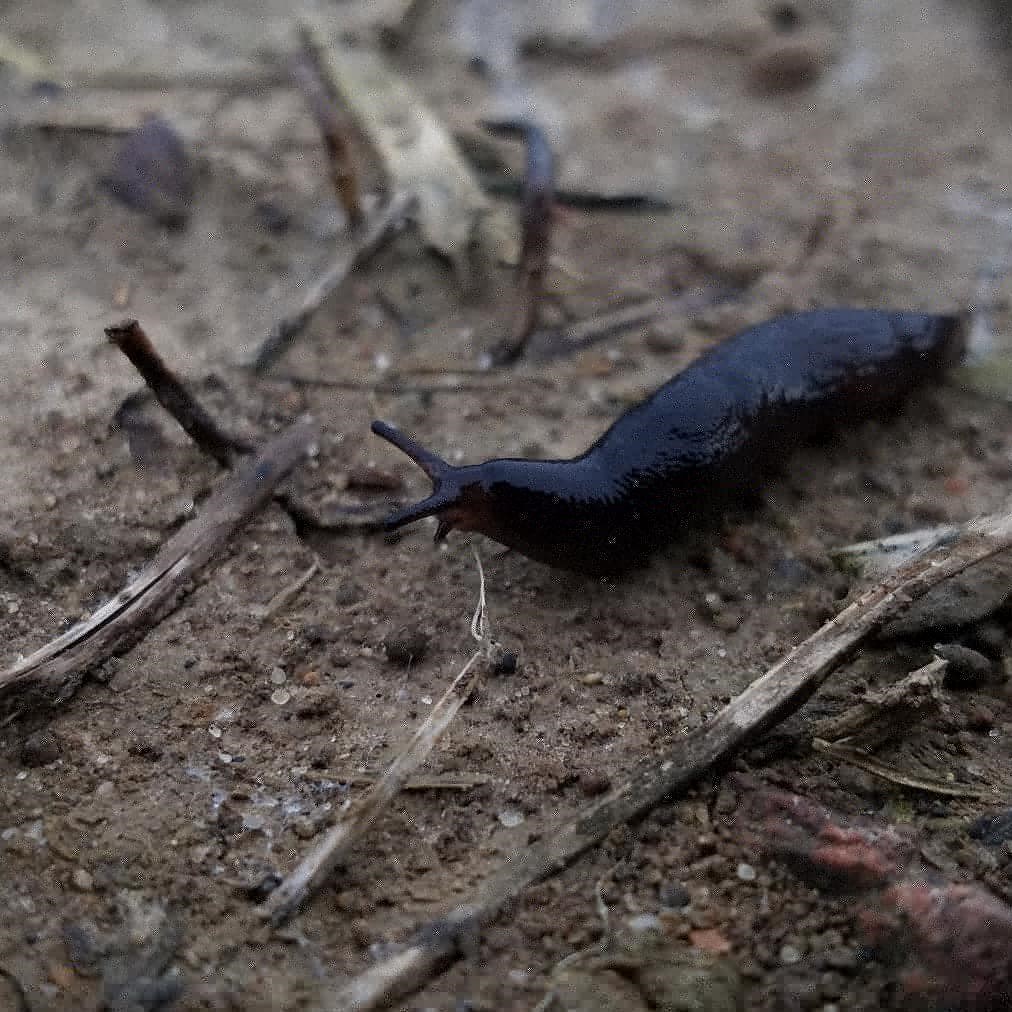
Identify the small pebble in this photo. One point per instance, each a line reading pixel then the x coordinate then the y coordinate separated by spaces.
pixel 666 334
pixel 746 872
pixel 968 668
pixel 40 749
pixel 407 646
pixel 280 696
pixel 992 828
pixel 82 880
pixel 505 664
pixel 152 173
pixel 789 955
pixel 674 895
pixel 593 678
pixel 278 676
pixel 593 783
pixel 788 64
pixel 510 817
pixel 304 828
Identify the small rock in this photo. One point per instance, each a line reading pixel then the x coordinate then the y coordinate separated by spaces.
pixel 789 955
pixel 152 173
pixel 82 880
pixel 593 783
pixel 746 872
pixel 280 696
pixel 278 676
pixel 710 940
pixel 317 703
pixel 305 828
pixel 273 215
pixel 666 334
pixel 789 63
pixel 980 719
pixel 674 895
pixel 505 664
pixel 510 818
pixel 406 647
pixel 968 668
pixel 40 749
pixel 992 828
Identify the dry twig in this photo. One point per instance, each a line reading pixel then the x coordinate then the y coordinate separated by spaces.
pixel 239 498
pixel 766 702
pixel 320 98
pixel 173 395
pixel 315 867
pixel 386 223
pixel 536 244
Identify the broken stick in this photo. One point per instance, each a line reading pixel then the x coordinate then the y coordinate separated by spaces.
pixel 169 391
pixel 240 497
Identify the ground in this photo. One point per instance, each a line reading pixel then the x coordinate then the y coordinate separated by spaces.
pixel 213 751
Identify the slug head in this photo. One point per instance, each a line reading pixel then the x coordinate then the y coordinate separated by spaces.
pixel 459 498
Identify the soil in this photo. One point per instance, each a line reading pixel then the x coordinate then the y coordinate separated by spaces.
pixel 835 154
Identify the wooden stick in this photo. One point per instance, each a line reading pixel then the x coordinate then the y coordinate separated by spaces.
pixel 240 497
pixel 767 701
pixel 170 392
pixel 316 867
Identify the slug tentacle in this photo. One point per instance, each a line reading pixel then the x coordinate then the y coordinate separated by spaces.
pixel 445 501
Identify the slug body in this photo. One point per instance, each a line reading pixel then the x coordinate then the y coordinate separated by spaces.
pixel 712 431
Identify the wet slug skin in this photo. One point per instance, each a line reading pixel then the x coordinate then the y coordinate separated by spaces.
pixel 711 432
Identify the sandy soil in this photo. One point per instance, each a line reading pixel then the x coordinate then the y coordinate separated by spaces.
pixel 174 781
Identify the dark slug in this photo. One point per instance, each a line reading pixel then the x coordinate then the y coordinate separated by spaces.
pixel 710 432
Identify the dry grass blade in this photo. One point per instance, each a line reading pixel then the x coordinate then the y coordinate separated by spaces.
pixel 315 868
pixel 767 701
pixel 417 154
pixel 239 498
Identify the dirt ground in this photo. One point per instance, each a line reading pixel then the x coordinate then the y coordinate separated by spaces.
pixel 184 773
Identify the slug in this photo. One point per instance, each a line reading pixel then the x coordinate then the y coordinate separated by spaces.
pixel 710 433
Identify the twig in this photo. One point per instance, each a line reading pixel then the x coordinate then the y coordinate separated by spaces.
pixel 239 498
pixel 283 596
pixel 445 782
pixel 887 771
pixel 321 101
pixel 585 333
pixel 505 185
pixel 315 867
pixel 173 396
pixel 535 248
pixel 386 223
pixel 767 701
pixel 883 715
